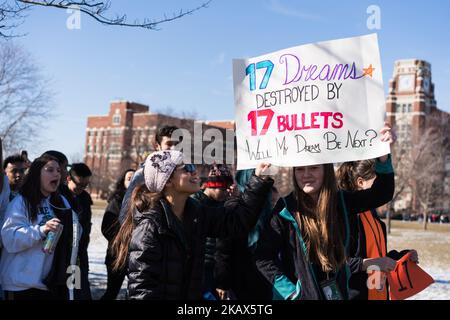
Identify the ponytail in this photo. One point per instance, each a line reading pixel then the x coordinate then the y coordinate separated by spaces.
pixel 141 200
pixel 346 177
pixel 349 172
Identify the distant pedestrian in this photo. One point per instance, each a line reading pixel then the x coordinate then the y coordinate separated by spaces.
pixel 110 228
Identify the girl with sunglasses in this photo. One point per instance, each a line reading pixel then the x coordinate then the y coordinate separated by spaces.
pixel 164 233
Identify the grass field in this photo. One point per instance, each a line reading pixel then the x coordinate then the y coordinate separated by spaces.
pixel 433 247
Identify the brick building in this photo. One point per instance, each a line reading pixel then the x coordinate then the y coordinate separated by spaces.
pixel 410 105
pixel 121 139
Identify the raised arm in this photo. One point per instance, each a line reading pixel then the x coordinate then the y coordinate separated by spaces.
pixel 240 214
pixel 380 193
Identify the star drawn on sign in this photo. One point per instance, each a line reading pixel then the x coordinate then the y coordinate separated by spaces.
pixel 368 71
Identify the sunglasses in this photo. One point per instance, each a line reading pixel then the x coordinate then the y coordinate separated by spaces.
pixel 78 184
pixel 189 168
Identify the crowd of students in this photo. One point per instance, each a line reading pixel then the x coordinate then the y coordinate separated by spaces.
pixel 177 237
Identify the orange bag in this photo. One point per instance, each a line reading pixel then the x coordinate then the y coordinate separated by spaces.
pixel 407 279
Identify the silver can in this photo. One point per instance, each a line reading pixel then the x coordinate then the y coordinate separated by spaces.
pixel 52 239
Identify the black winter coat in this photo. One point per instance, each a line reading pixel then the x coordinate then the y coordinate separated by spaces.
pixel 56 280
pixel 210 245
pixel 166 256
pixel 111 225
pixel 236 270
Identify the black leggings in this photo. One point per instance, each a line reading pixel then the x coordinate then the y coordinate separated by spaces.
pixel 115 280
pixel 30 294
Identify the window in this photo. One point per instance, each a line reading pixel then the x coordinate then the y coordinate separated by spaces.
pixel 409 107
pixel 116 119
pixel 115 132
pixel 114 148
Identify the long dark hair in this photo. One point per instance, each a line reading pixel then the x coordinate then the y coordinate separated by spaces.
pixel 142 200
pixel 31 188
pixel 349 172
pixel 119 187
pixel 322 228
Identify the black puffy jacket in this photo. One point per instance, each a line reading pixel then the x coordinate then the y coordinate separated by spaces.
pixel 166 256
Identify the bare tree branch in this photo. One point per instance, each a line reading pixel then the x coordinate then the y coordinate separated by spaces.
pixel 12 15
pixel 420 166
pixel 426 183
pixel 25 100
pixel 98 10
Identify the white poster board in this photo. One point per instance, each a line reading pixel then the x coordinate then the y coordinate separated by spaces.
pixel 311 104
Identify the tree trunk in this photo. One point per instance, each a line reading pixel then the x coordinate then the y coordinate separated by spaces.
pixel 388 220
pixel 425 221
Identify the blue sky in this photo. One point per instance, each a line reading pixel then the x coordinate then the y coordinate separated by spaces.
pixel 186 66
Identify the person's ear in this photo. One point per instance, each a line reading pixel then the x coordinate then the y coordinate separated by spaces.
pixel 360 182
pixel 169 183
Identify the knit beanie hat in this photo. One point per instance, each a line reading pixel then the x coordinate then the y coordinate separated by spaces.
pixel 159 167
pixel 219 176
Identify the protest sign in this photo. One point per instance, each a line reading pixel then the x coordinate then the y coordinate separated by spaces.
pixel 311 104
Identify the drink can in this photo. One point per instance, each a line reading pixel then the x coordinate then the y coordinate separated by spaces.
pixel 52 239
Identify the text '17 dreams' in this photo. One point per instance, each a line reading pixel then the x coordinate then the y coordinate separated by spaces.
pixel 328 82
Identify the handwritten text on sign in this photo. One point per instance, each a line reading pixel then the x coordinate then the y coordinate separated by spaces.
pixel 312 104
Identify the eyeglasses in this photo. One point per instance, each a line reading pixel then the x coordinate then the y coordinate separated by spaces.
pixel 81 186
pixel 189 168
pixel 51 169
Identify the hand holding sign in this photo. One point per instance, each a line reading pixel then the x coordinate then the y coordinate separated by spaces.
pixel 407 279
pixel 262 169
pixel 388 133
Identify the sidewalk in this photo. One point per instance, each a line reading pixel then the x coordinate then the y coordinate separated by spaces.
pixel 97 251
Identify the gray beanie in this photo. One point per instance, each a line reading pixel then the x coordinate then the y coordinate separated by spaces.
pixel 159 167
